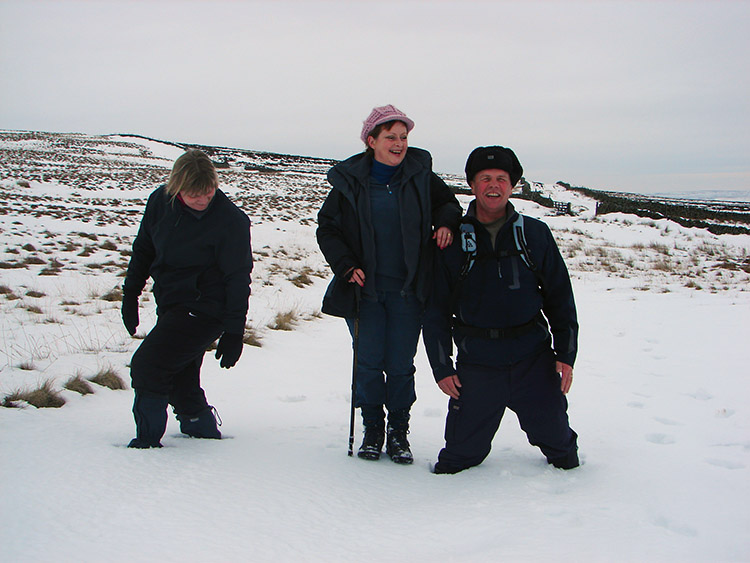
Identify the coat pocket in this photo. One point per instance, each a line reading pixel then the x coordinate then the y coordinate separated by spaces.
pixel 340 299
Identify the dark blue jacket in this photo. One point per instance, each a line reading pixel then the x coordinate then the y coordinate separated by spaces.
pixel 500 292
pixel 346 234
pixel 201 261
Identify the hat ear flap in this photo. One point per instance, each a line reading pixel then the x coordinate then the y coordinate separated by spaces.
pixel 517 171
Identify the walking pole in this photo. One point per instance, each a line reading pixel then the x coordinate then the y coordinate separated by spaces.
pixel 354 369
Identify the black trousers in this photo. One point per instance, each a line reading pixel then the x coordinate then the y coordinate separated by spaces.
pixel 168 361
pixel 530 388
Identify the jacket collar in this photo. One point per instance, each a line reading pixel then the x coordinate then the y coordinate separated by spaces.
pixel 350 174
pixel 471 213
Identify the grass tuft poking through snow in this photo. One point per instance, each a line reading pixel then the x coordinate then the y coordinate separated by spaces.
pixel 108 377
pixel 43 396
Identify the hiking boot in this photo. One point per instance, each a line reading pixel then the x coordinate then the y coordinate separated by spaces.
pixel 442 469
pixel 397 446
pixel 569 461
pixel 201 425
pixel 372 443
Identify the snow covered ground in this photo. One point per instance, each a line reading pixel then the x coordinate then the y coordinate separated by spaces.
pixel 659 400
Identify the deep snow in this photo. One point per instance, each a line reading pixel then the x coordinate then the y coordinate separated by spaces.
pixel 659 401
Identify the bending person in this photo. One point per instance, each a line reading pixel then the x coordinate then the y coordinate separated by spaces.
pixel 195 244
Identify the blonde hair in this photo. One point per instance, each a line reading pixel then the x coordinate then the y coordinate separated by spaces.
pixel 193 174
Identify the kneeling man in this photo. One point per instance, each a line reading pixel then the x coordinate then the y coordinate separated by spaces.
pixel 504 297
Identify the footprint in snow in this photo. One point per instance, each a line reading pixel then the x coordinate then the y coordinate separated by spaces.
pixel 667 422
pixel 701 395
pixel 726 464
pixel 292 399
pixel 672 526
pixel 663 439
pixel 636 405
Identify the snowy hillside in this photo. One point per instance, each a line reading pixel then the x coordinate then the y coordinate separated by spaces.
pixel 659 398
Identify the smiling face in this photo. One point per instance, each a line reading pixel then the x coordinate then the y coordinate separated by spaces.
pixel 389 147
pixel 492 188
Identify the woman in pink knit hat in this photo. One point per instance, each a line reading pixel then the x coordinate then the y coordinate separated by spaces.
pixel 385 215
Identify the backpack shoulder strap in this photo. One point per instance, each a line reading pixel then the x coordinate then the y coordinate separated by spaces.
pixel 523 249
pixel 519 237
pixel 469 247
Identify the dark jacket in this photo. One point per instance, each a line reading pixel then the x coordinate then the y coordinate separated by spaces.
pixel 346 234
pixel 198 261
pixel 501 292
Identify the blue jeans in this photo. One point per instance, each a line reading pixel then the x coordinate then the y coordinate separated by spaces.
pixel 388 334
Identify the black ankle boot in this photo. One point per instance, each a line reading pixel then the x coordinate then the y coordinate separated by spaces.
pixel 372 443
pixel 397 445
pixel 569 461
pixel 373 418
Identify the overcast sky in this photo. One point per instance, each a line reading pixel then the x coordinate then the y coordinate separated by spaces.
pixel 628 96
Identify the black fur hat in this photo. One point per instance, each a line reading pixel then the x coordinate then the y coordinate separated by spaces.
pixel 483 158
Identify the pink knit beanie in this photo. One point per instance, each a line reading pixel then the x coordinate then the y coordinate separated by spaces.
pixel 384 114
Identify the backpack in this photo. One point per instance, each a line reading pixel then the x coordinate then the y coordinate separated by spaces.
pixel 469 246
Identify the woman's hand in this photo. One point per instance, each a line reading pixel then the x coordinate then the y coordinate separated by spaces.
pixel 443 237
pixel 358 277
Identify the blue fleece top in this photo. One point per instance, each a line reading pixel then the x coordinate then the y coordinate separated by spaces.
pixel 390 266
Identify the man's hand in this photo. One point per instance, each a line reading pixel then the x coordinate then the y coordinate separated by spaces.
pixel 130 312
pixel 229 349
pixel 450 386
pixel 566 376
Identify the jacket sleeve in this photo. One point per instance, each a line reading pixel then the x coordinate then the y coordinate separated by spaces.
pixel 143 254
pixel 559 304
pixel 236 263
pixel 331 236
pixel 446 211
pixel 436 329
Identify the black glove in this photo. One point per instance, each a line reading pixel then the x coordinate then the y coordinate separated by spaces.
pixel 229 349
pixel 130 312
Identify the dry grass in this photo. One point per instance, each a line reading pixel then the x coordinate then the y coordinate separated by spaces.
pixel 113 295
pixel 251 337
pixel 663 265
pixel 284 320
pixel 108 377
pixel 33 261
pixel 79 385
pixel 44 396
pixel 303 278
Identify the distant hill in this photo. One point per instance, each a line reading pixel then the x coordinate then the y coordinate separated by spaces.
pixel 719 217
pixel 90 162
